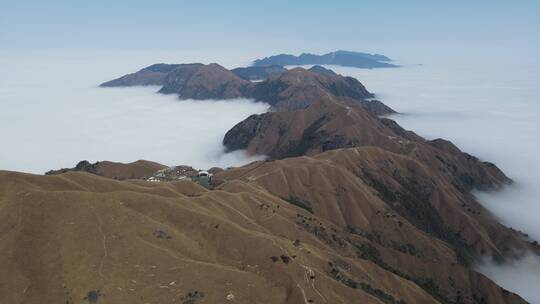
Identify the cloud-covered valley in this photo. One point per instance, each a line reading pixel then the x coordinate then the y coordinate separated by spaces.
pixel 54 115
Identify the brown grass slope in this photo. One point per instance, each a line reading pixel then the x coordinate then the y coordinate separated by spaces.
pixel 136 170
pixel 398 212
pixel 289 231
pixel 333 123
pixel 81 238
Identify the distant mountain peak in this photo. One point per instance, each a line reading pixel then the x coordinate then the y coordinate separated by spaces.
pixel 376 56
pixel 340 57
pixel 284 89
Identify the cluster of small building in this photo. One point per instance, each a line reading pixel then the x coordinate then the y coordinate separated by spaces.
pixel 179 173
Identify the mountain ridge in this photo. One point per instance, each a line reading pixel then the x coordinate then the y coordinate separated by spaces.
pixel 341 58
pixel 344 234
pixel 348 207
pixel 287 91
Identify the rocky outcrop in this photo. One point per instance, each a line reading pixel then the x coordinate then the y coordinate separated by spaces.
pixel 342 58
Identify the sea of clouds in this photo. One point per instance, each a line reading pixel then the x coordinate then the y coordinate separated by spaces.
pixel 488 105
pixel 53 114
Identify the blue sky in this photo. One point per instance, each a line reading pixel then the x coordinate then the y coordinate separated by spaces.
pixel 256 25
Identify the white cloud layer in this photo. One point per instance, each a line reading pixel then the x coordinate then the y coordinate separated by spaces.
pixel 52 115
pixel 490 107
pixel 519 276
